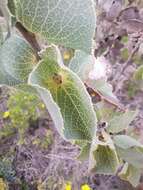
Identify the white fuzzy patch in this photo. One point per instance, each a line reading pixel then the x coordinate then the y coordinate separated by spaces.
pixel 99 69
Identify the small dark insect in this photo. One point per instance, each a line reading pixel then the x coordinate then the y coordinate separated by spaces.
pixel 57 78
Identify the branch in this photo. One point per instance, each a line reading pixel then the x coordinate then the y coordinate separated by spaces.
pixel 117 79
pixel 30 37
pixel 129 59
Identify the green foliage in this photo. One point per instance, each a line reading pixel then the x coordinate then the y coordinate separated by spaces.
pixel 139 74
pixel 103 157
pixel 125 54
pixel 132 88
pixel 131 174
pixel 60 21
pixel 137 59
pixel 19 60
pixel 117 122
pixel 22 108
pixel 6 13
pixel 129 150
pixel 70 24
pixel 82 63
pixel 125 39
pixel 138 77
pixel 104 111
pixel 11 6
pixel 68 92
pixel 45 141
pixel 125 142
pixel 6 170
pixel 121 122
pixel 16 62
pixel 85 150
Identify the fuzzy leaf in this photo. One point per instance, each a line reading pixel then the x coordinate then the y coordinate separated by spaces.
pixel 5 12
pixel 139 74
pixel 121 122
pixel 138 77
pixel 131 174
pixel 133 156
pixel 17 58
pixel 104 111
pixel 52 107
pixel 103 158
pixel 68 92
pixel 11 6
pixel 129 150
pixel 125 142
pixel 104 89
pixel 81 64
pixel 6 79
pixel 66 22
pixel 85 150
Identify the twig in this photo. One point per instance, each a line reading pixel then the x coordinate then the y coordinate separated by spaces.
pixel 117 79
pixel 30 37
pixel 125 9
pixel 129 59
pixel 53 156
pixel 102 97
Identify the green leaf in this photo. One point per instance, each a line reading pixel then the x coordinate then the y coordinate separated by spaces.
pixel 104 111
pixel 125 54
pixel 133 156
pixel 121 122
pixel 11 6
pixel 131 174
pixel 103 158
pixel 66 22
pixel 137 59
pixel 6 79
pixel 125 142
pixel 85 150
pixel 52 107
pixel 138 75
pixel 129 150
pixel 81 64
pixel 104 89
pixel 69 93
pixel 17 58
pixel 5 11
pixel 26 88
pixel 125 39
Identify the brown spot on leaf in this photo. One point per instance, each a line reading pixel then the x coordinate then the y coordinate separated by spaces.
pixel 57 78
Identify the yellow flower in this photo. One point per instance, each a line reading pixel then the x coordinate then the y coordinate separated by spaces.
pixel 85 187
pixel 68 186
pixel 25 97
pixel 67 55
pixel 3 186
pixel 43 106
pixel 6 114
